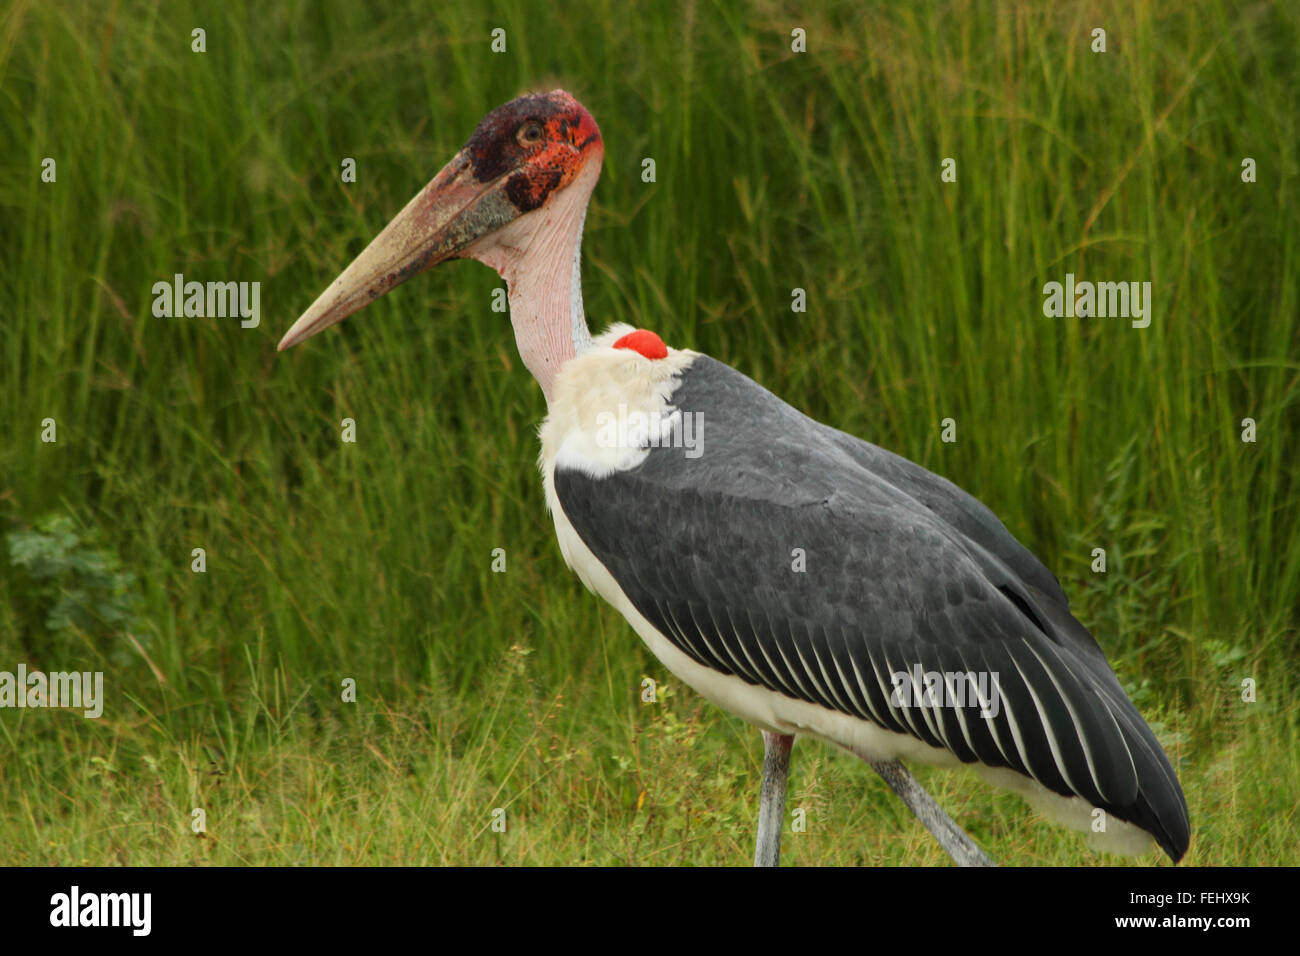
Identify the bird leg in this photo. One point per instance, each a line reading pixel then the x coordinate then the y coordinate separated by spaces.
pixel 951 837
pixel 771 804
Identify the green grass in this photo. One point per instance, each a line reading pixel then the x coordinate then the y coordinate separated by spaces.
pixel 371 561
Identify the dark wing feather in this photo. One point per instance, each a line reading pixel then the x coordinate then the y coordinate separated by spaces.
pixel 903 569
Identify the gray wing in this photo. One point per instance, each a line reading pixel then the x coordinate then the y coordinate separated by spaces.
pixel 901 569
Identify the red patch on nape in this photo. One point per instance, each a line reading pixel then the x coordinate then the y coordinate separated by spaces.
pixel 645 342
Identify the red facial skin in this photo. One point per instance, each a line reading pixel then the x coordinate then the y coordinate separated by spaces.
pixel 506 143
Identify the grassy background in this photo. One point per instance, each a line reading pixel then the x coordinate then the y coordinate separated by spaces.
pixel 372 561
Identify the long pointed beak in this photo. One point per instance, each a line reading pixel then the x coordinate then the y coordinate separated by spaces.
pixel 444 217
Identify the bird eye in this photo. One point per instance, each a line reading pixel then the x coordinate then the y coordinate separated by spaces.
pixel 530 133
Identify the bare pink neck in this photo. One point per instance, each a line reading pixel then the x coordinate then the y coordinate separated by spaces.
pixel 538 255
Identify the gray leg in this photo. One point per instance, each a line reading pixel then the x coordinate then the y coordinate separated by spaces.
pixel 951 837
pixel 771 805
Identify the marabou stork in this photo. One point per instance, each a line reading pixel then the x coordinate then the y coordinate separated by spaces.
pixel 908 579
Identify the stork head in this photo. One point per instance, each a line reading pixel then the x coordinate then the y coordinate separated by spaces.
pixel 522 156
